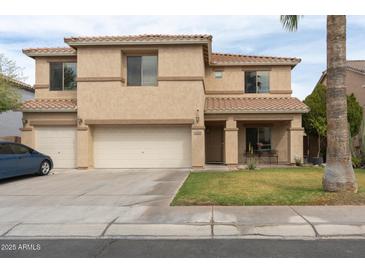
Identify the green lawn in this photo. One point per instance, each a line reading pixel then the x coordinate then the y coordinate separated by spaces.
pixel 271 186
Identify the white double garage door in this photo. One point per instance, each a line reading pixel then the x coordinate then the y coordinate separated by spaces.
pixel 120 146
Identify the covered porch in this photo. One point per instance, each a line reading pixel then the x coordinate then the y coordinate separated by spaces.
pixel 233 135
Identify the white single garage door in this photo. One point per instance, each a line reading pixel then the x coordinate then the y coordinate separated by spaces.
pixel 59 143
pixel 142 147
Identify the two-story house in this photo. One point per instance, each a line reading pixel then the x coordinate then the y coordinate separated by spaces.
pixel 159 101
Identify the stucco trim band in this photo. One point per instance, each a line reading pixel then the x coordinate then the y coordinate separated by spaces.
pixel 53 122
pixel 139 122
pixel 41 86
pixel 224 92
pixel 180 78
pixel 100 79
pixel 230 129
pixel 296 129
pixel 280 91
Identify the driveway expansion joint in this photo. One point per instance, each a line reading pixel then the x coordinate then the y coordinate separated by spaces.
pixel 10 229
pixel 307 221
pixel 108 225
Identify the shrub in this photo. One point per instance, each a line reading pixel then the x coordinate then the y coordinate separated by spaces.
pixel 251 163
pixel 356 161
pixel 298 161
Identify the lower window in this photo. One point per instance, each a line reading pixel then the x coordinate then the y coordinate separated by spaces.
pixel 258 138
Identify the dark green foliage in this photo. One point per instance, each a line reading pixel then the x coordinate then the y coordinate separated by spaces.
pixel 315 121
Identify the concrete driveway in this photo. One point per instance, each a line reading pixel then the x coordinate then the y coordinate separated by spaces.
pixel 86 203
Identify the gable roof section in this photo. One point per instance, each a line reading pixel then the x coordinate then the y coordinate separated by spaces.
pixel 215 105
pixel 58 51
pixel 239 59
pixel 17 83
pixel 49 105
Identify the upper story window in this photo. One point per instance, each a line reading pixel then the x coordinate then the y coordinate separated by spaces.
pixel 63 76
pixel 257 82
pixel 218 74
pixel 142 70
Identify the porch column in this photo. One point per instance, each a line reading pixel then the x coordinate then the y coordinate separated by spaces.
pixel 295 139
pixel 231 143
pixel 82 155
pixel 27 133
pixel 27 136
pixel 197 147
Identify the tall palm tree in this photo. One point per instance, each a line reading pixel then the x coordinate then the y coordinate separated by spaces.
pixel 339 174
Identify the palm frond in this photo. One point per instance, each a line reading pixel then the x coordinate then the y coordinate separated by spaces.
pixel 290 22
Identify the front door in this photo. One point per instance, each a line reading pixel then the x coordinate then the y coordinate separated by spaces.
pixel 214 143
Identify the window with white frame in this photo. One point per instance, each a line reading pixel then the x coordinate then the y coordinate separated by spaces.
pixel 63 76
pixel 142 70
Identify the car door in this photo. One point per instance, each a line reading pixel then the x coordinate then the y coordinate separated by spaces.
pixel 26 163
pixel 8 161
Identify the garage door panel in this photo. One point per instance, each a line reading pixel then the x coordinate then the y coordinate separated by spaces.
pixel 142 147
pixel 59 143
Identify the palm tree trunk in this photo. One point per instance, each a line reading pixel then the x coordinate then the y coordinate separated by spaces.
pixel 339 174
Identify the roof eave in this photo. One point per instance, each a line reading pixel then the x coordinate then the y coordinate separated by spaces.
pixel 47 110
pixel 222 64
pixel 254 111
pixel 121 43
pixel 55 54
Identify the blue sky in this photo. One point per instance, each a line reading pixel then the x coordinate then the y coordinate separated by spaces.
pixel 255 35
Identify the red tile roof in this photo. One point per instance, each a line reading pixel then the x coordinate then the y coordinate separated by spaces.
pixel 254 105
pixel 63 51
pixel 68 105
pixel 17 83
pixel 238 59
pixel 138 38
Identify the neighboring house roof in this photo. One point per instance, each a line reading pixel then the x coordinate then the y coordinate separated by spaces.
pixel 17 83
pixel 63 51
pixel 52 105
pixel 238 59
pixel 144 38
pixel 254 105
pixel 356 65
pixel 352 65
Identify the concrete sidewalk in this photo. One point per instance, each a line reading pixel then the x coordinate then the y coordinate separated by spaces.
pixel 299 222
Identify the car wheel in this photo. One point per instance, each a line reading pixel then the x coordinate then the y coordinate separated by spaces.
pixel 45 168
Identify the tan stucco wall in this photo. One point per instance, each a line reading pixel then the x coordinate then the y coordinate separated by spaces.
pixel 198 147
pixel 231 142
pixel 83 146
pixel 42 78
pixel 233 80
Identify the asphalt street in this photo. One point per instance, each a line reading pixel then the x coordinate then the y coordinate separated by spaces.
pixel 208 248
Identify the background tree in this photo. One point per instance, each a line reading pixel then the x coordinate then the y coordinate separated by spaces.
pixel 339 174
pixel 315 121
pixel 9 97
